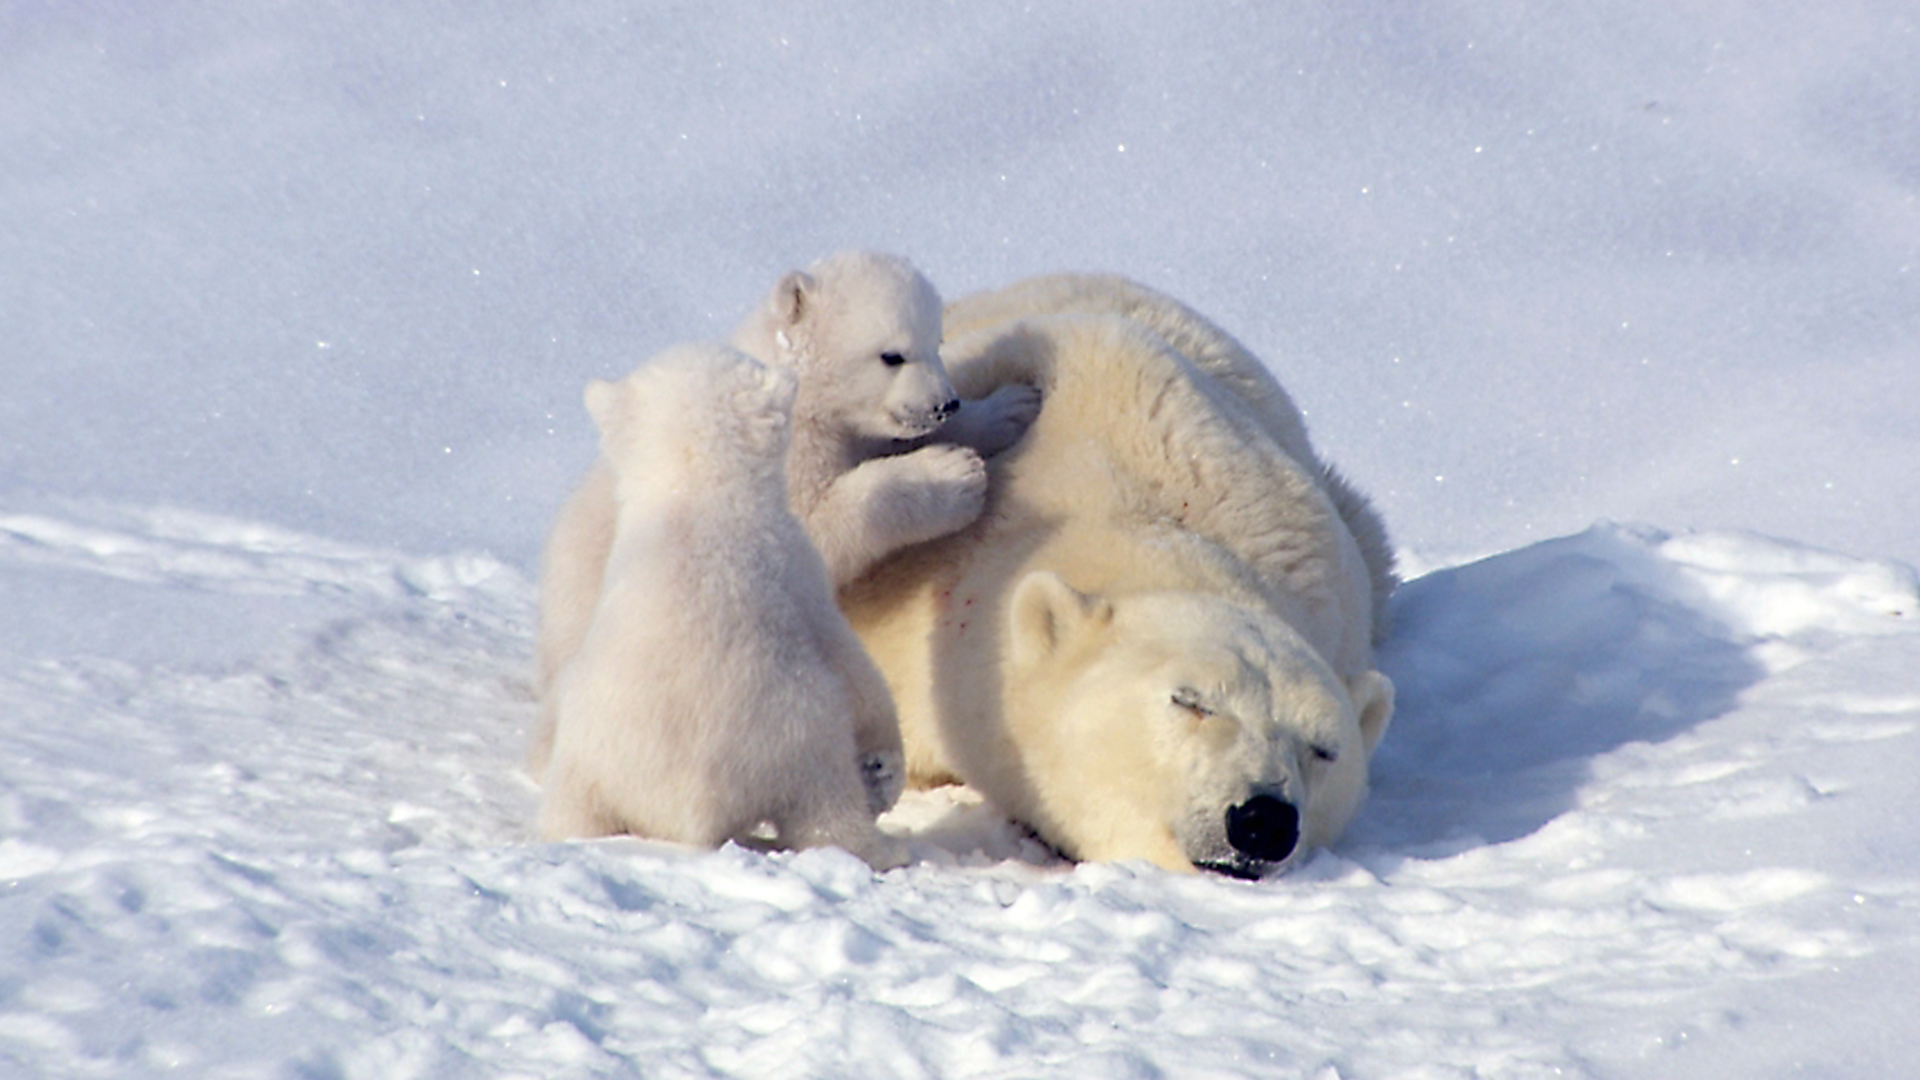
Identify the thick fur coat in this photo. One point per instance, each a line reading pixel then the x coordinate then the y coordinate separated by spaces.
pixel 1156 641
pixel 883 453
pixel 716 686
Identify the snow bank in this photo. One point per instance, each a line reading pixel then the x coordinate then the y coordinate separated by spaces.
pixel 1614 832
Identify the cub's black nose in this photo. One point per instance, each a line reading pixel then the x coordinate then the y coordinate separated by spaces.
pixel 949 407
pixel 1263 828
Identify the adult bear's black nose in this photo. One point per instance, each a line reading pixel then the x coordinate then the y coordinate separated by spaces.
pixel 1263 828
pixel 948 408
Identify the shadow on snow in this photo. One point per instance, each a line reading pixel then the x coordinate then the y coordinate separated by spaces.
pixel 1514 672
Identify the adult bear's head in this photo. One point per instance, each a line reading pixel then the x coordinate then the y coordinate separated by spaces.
pixel 1184 729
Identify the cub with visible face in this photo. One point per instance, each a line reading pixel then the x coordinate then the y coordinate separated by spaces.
pixel 716 685
pixel 884 455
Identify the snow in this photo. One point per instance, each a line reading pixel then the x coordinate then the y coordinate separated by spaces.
pixel 1612 310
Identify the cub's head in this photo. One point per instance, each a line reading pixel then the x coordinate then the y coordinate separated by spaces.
pixel 1182 729
pixel 695 409
pixel 863 331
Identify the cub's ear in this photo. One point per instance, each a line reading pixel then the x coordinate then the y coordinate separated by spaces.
pixel 1047 613
pixel 792 296
pixel 603 402
pixel 1372 695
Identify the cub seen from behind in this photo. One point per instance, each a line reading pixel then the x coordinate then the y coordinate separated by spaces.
pixel 717 687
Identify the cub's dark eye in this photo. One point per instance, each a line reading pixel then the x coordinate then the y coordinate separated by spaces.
pixel 892 359
pixel 1324 753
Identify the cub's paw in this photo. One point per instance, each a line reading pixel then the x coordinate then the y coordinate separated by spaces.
pixel 920 495
pixel 995 422
pixel 883 773
pixel 955 484
pixel 884 852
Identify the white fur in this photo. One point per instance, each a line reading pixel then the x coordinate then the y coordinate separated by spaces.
pixel 862 329
pixel 1165 613
pixel 1214 352
pixel 716 685
pixel 871 468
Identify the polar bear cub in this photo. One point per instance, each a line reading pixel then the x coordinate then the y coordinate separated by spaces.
pixel 883 454
pixel 717 687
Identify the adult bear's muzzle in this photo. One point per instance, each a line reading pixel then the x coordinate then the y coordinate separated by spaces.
pixel 1264 828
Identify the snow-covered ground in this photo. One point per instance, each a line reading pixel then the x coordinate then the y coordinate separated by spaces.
pixel 298 303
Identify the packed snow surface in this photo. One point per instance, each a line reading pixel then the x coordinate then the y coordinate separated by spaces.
pixel 298 304
pixel 1642 813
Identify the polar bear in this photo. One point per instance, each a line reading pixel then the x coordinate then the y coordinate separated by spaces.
pixel 862 329
pixel 1157 640
pixel 717 686
pixel 884 454
pixel 1214 352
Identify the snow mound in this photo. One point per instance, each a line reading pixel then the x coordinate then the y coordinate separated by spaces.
pixel 1607 828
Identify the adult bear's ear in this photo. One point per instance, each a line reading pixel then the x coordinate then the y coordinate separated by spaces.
pixel 1372 695
pixel 1047 613
pixel 603 401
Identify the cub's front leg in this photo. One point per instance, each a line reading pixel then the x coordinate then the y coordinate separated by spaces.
pixel 876 724
pixel 886 503
pixel 995 422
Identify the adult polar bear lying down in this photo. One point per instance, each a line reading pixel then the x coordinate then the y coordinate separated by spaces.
pixel 1157 640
